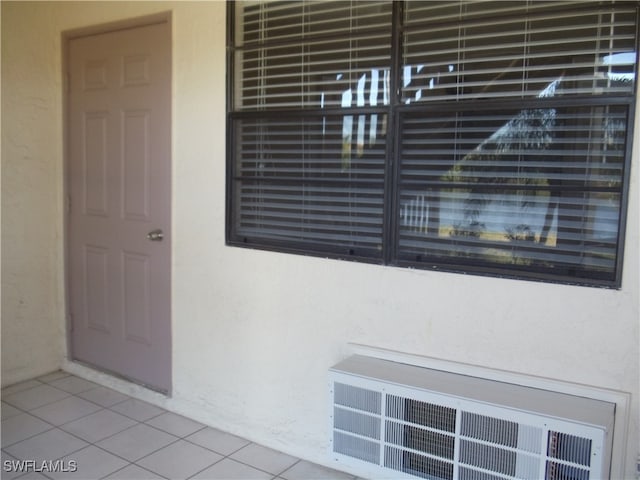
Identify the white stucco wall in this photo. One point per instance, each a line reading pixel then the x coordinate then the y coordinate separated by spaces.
pixel 255 332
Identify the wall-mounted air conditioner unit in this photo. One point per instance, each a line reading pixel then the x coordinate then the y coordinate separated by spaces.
pixel 392 420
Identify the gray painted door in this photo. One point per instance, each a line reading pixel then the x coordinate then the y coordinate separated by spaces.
pixel 119 180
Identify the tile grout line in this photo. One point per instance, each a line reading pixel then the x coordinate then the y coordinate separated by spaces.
pixel 90 443
pixel 103 406
pixel 17 408
pixel 138 422
pixel 134 462
pixel 94 444
pixel 134 465
pixel 208 466
pixel 29 437
pixel 298 460
pixel 70 421
pixel 24 390
pixel 39 406
pixel 178 415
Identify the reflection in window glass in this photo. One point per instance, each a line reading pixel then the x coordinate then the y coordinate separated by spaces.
pixel 488 137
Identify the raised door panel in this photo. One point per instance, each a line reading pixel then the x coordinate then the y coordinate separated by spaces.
pixel 137 317
pixel 95 163
pixel 96 290
pixel 135 165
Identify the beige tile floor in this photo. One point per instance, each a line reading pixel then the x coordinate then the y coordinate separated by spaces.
pixel 63 422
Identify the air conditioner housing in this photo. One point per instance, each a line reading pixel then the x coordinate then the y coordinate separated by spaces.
pixel 393 420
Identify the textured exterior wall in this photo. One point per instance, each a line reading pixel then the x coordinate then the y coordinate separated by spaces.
pixel 255 332
pixel 32 327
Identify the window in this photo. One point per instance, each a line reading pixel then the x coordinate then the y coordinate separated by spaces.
pixel 485 137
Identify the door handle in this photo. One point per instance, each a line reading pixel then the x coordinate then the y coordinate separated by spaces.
pixel 155 235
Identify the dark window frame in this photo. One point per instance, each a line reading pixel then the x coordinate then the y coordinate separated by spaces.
pixel 396 112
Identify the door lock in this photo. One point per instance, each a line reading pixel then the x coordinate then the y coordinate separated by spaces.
pixel 155 235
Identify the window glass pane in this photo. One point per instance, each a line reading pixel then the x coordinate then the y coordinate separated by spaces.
pixel 327 74
pixel 337 52
pixel 296 21
pixel 569 234
pixel 517 49
pixel 311 181
pixel 539 188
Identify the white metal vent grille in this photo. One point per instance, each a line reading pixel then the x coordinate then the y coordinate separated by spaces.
pixel 394 429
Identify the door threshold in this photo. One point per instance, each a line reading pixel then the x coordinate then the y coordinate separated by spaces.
pixel 116 382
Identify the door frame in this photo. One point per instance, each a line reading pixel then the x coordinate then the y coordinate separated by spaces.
pixel 66 37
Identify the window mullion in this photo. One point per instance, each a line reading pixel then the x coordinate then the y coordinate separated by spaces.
pixel 392 191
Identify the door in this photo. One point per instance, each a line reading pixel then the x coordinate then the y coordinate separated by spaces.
pixel 119 185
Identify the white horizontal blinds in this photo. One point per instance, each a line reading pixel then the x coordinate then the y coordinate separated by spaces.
pixel 537 188
pixel 310 182
pixel 502 49
pixel 556 146
pixel 512 121
pixel 312 54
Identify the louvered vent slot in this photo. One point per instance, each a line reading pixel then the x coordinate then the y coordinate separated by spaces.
pixel 488 457
pixel 356 447
pixel 529 438
pixel 426 441
pixel 490 429
pixel 417 465
pixel 561 471
pixel 424 431
pixel 469 474
pixel 358 398
pixel 413 422
pixel 569 448
pixel 422 413
pixel 358 423
pixel 506 438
